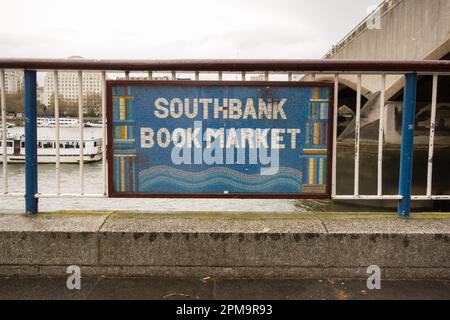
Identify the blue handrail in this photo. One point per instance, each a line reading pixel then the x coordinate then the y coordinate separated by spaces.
pixel 406 151
pixel 31 173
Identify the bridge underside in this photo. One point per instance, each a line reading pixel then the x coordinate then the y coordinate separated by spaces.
pixel 370 103
pixel 404 30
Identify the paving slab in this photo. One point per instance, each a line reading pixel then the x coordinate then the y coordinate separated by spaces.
pixel 53 222
pixel 386 225
pixel 210 223
pixel 153 289
pixel 210 288
pixel 50 239
pixel 43 288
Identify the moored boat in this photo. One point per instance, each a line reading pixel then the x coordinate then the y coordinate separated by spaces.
pixel 94 124
pixel 46 149
pixel 8 125
pixel 63 122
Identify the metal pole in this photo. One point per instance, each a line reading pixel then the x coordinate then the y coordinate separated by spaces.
pixel 357 135
pixel 104 133
pixel 31 173
pixel 381 136
pixel 58 151
pixel 81 119
pixel 406 153
pixel 4 131
pixel 432 132
pixel 335 115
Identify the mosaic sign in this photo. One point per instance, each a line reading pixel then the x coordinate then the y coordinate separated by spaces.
pixel 219 139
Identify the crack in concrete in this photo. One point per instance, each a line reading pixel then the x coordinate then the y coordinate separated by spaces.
pixel 323 224
pixel 98 236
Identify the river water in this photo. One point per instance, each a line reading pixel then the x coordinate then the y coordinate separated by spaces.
pixel 70 178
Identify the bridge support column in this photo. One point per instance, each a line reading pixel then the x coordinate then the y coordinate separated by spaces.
pixel 31 173
pixel 406 153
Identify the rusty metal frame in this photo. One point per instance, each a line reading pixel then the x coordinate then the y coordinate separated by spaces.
pixel 247 65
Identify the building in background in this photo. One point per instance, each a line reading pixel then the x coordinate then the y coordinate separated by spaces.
pixel 40 95
pixel 259 77
pixel 68 85
pixel 13 82
pixel 146 78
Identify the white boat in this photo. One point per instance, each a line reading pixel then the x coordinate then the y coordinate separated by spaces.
pixel 46 149
pixel 8 125
pixel 63 122
pixel 94 124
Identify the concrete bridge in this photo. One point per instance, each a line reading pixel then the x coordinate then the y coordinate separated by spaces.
pixel 396 30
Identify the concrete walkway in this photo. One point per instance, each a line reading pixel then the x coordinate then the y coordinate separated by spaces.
pixel 226 245
pixel 209 288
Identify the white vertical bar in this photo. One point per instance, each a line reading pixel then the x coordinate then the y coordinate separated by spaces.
pixel 149 76
pixel 335 112
pixel 127 75
pixel 243 76
pixel 174 75
pixel 104 164
pixel 357 125
pixel 197 75
pixel 220 76
pixel 80 116
pixel 432 131
pixel 381 136
pixel 289 76
pixel 4 130
pixel 266 76
pixel 58 163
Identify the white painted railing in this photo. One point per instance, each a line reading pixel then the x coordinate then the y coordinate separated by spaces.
pixel 287 76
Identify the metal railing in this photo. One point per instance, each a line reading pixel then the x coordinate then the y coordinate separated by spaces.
pixel 287 68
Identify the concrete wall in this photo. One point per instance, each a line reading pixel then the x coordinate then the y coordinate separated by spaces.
pixel 279 245
pixel 410 30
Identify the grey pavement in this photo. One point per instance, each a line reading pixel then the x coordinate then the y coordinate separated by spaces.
pixel 160 288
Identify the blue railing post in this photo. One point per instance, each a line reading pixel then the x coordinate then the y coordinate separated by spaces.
pixel 31 173
pixel 406 153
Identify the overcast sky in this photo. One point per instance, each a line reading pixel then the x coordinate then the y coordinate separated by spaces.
pixel 176 28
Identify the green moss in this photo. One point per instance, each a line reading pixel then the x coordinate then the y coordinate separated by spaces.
pixel 73 213
pixel 243 215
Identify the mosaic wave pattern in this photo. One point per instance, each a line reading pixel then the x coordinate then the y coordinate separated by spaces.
pixel 169 177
